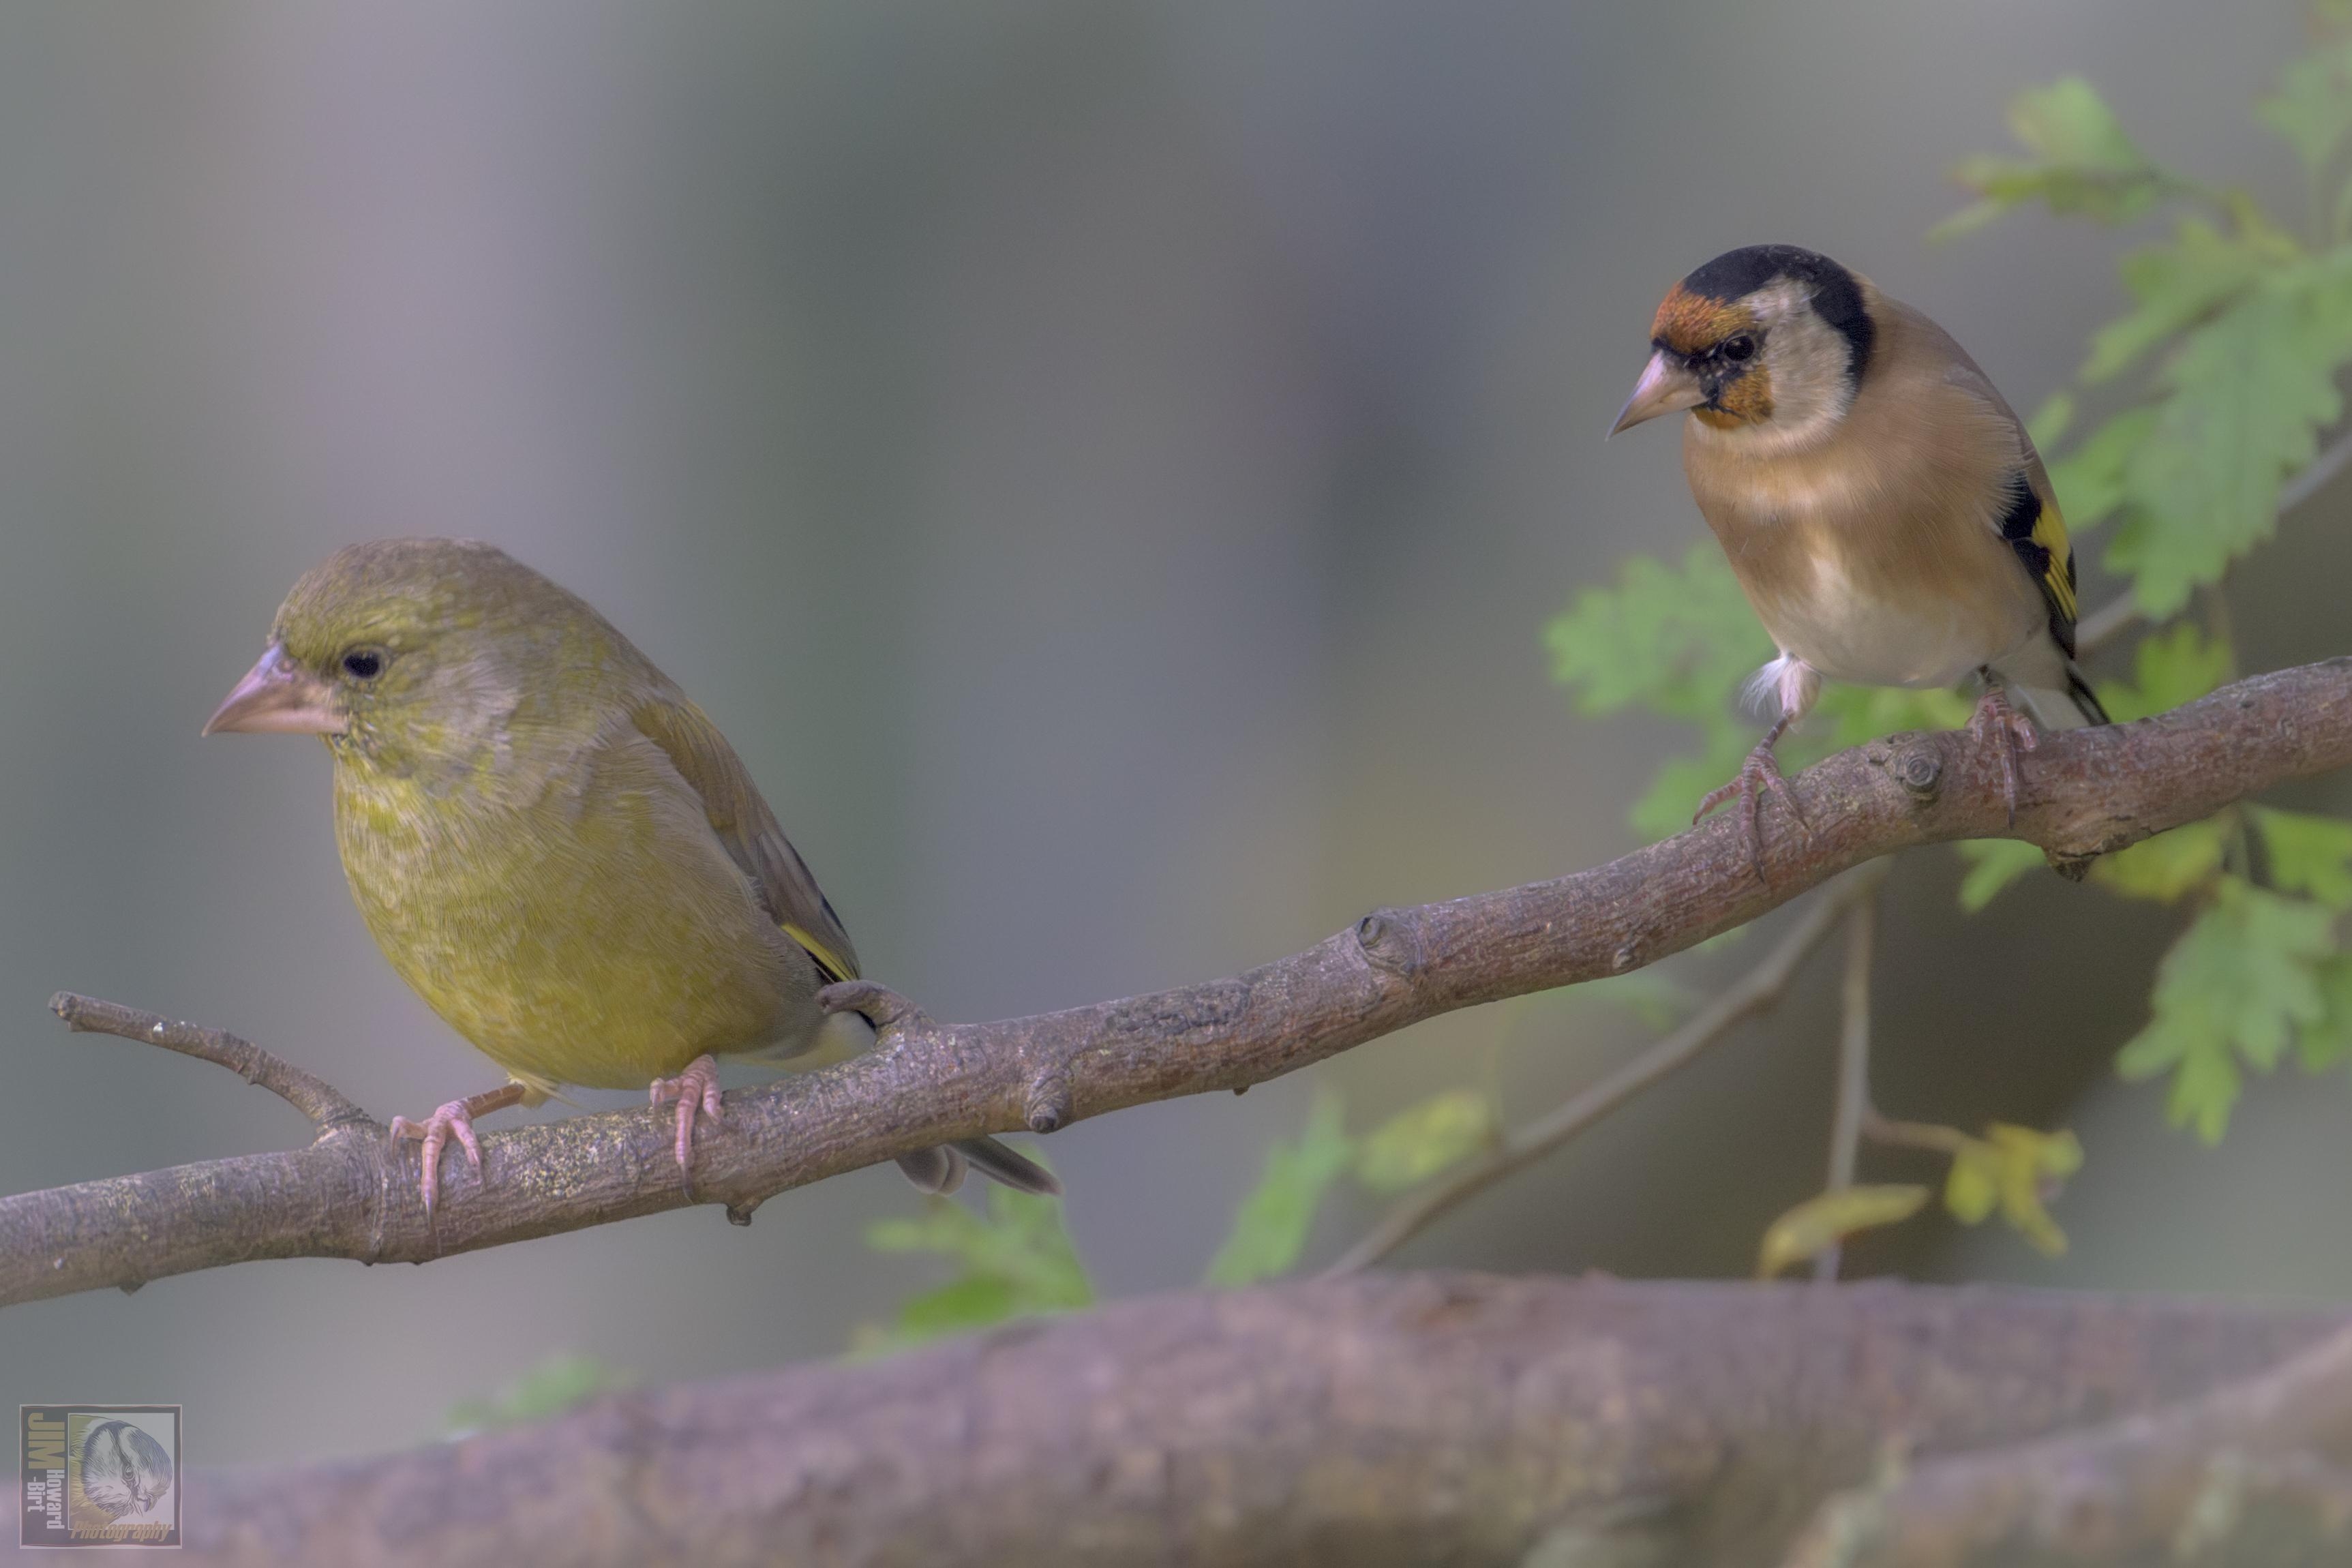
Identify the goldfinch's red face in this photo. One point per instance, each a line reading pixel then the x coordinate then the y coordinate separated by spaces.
pixel 1766 343
pixel 1719 343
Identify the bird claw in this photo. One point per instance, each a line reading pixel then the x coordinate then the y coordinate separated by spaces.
pixel 695 1091
pixel 1994 720
pixel 454 1120
pixel 1760 775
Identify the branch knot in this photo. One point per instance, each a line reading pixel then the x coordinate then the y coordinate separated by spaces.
pixel 1389 942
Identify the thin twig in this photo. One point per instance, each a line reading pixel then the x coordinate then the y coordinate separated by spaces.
pixel 2113 619
pixel 1854 1061
pixel 314 1098
pixel 1912 1134
pixel 2106 623
pixel 1752 993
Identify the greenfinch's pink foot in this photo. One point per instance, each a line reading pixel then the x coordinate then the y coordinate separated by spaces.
pixel 454 1120
pixel 696 1088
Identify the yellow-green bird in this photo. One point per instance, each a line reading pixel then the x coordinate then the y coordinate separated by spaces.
pixel 555 848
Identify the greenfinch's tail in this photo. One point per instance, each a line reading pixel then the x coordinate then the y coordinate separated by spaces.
pixel 1001 1163
pixel 941 1171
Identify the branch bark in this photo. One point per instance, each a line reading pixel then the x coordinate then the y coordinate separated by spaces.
pixel 2256 1471
pixel 349 1195
pixel 1384 1419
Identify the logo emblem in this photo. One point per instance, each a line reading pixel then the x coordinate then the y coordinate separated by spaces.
pixel 100 1475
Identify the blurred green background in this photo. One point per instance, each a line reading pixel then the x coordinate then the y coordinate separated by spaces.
pixel 1107 465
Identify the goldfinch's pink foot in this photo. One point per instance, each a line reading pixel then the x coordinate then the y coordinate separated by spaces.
pixel 694 1089
pixel 2012 732
pixel 1760 775
pixel 454 1120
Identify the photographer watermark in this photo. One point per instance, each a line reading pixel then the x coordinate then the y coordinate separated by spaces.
pixel 100 1475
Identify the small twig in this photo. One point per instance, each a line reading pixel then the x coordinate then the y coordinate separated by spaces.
pixel 2110 621
pixel 1752 993
pixel 1912 1134
pixel 2106 623
pixel 314 1098
pixel 1854 1061
pixel 2315 474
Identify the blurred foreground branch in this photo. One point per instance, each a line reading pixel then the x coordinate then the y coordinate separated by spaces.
pixel 350 1194
pixel 1394 1419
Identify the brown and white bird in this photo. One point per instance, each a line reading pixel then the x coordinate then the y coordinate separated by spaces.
pixel 1881 504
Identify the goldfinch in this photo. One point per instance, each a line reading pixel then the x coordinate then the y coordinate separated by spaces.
pixel 1882 506
pixel 554 847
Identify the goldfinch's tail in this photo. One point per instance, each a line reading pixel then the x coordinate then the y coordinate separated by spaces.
pixel 2071 708
pixel 2086 701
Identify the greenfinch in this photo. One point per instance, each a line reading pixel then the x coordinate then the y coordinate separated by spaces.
pixel 554 847
pixel 1881 504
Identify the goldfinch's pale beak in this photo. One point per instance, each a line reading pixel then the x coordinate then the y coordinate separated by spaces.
pixel 279 697
pixel 1666 385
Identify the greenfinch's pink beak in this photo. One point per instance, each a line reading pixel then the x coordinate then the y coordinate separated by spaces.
pixel 1666 385
pixel 279 697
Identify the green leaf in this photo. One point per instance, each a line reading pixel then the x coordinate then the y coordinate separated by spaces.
pixel 2246 393
pixel 2309 855
pixel 1270 1230
pixel 1015 1262
pixel 1418 1142
pixel 2017 1169
pixel 2083 162
pixel 2311 109
pixel 1675 640
pixel 1994 864
pixel 2167 865
pixel 2236 986
pixel 2090 479
pixel 548 1387
pixel 2175 666
pixel 1830 1217
pixel 972 1301
pixel 2325 1041
pixel 2178 284
pixel 2051 421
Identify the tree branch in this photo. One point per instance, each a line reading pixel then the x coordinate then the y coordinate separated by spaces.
pixel 2250 1473
pixel 349 1195
pixel 1380 1420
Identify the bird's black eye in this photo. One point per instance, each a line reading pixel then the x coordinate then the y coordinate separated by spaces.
pixel 1740 349
pixel 363 663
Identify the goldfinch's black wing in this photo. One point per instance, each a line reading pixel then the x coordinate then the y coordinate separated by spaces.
pixel 747 827
pixel 2026 508
pixel 2036 529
